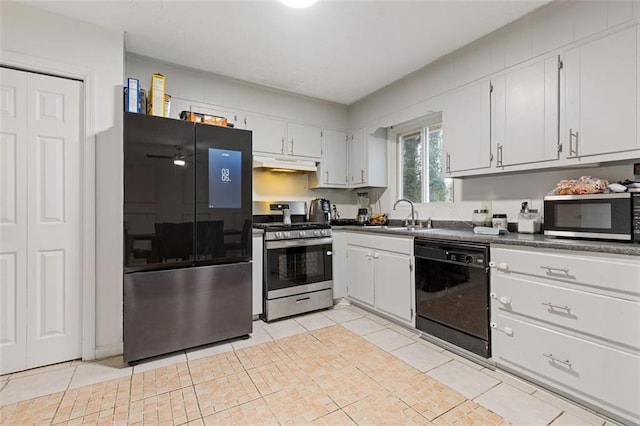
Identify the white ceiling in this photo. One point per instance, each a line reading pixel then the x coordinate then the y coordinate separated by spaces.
pixel 340 50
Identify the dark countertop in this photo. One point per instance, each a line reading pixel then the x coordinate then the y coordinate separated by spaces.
pixel 513 238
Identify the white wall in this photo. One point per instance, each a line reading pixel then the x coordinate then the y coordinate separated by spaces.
pixel 38 40
pixel 552 27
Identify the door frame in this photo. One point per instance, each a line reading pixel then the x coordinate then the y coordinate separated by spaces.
pixel 88 177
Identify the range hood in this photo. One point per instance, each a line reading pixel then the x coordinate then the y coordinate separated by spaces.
pixel 284 165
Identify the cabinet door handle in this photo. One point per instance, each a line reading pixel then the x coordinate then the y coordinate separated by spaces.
pixel 361 175
pixel 499 160
pixel 327 178
pixel 573 152
pixel 376 255
pixel 448 163
pixel 282 149
pixel 554 359
pixel 552 306
pixel 291 146
pixel 551 270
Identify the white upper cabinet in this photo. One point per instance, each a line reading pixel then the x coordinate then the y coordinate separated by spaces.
pixel 332 171
pixel 602 96
pixel 525 114
pixel 269 134
pixel 368 158
pixel 466 129
pixel 304 140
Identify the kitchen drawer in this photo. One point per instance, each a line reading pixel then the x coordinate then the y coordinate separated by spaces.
pixel 607 318
pixel 602 376
pixel 395 244
pixel 601 273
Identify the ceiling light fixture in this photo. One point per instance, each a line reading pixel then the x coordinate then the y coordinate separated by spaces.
pixel 298 4
pixel 178 160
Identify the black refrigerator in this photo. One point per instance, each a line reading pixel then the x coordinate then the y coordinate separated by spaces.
pixel 187 235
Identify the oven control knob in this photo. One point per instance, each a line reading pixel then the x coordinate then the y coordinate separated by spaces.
pixel 323 232
pixel 468 259
pixel 302 234
pixel 287 234
pixel 278 234
pixel 316 233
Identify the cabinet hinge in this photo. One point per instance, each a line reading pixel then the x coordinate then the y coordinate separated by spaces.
pixel 560 64
pixel 490 88
pixel 321 134
pixel 411 313
pixel 559 147
pixel 491 157
pixel 411 267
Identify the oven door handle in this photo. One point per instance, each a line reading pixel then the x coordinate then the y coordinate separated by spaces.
pixel 298 243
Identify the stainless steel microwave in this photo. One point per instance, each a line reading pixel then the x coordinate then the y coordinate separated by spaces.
pixel 614 216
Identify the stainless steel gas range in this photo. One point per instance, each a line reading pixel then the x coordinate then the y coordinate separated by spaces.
pixel 298 274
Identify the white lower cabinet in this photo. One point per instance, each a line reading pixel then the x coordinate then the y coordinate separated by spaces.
pixel 571 321
pixel 257 254
pixel 380 274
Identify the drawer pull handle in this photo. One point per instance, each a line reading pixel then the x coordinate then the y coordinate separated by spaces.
pixel 304 299
pixel 551 270
pixel 552 306
pixel 554 359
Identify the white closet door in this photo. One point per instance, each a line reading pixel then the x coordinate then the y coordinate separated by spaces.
pixel 13 221
pixel 46 242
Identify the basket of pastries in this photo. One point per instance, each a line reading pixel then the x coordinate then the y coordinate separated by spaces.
pixel 378 219
pixel 583 185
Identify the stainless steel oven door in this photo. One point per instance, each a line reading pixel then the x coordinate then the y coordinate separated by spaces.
pixel 296 266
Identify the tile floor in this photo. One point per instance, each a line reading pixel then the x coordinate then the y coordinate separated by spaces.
pixel 337 367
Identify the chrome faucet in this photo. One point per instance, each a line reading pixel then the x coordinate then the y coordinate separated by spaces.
pixel 413 217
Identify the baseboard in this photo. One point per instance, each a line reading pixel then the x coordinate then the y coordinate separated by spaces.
pixel 109 350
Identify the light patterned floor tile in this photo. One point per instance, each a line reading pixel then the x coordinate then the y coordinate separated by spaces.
pixel 176 407
pixel 161 361
pixel 315 321
pixel 337 418
pixel 347 385
pixel 569 408
pixel 95 372
pixel 568 419
pixel 403 330
pixel 383 408
pixel 469 413
pixel 277 376
pixel 421 357
pixel 427 396
pixel 464 379
pixel 340 315
pixel 40 370
pixel 159 381
pixel 213 367
pixel 254 412
pixel 517 406
pixel 32 411
pixel 284 328
pixel 37 385
pixel 363 326
pixel 258 336
pixel 225 392
pixel 112 395
pixel 511 380
pixel 209 350
pixel 258 355
pixel 300 404
pixel 388 340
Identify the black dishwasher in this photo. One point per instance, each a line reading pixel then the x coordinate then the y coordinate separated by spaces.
pixel 452 293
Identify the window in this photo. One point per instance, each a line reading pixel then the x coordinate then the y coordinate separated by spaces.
pixel 421 172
